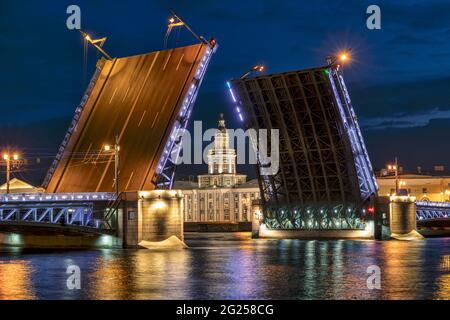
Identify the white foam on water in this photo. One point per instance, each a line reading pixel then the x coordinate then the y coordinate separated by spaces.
pixel 170 243
pixel 411 236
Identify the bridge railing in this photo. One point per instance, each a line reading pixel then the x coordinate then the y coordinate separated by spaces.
pixel 80 216
pixel 57 197
pixel 432 210
pixel 85 210
pixel 433 204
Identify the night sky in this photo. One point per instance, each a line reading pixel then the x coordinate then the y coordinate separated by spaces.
pixel 399 79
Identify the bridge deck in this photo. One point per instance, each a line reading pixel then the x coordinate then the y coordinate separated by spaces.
pixel 139 98
pixel 66 213
pixel 428 210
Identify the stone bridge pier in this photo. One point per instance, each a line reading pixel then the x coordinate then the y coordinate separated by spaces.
pixel 152 219
pixel 144 219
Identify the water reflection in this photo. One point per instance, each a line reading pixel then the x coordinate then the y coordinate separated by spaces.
pixel 399 261
pixel 158 273
pixel 443 282
pixel 15 280
pixel 110 277
pixel 233 266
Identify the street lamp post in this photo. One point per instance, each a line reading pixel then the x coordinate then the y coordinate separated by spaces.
pixel 394 167
pixel 8 159
pixel 116 163
pixel 396 175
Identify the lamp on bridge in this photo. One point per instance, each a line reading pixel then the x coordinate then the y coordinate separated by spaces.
pixel 256 68
pixel 339 59
pixel 176 21
pixel 10 159
pixel 391 167
pixel 97 43
pixel 114 149
pixel 344 56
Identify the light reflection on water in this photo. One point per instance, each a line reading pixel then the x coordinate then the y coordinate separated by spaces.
pixel 233 266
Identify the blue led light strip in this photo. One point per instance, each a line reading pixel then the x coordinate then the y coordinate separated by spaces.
pixel 366 176
pixel 238 107
pixel 165 180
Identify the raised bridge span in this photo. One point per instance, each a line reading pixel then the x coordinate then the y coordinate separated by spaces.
pixel 141 103
pixel 325 185
pixel 143 100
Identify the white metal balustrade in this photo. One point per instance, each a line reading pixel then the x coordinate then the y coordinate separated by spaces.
pixel 60 209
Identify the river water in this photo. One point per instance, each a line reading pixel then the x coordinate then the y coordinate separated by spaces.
pixel 233 266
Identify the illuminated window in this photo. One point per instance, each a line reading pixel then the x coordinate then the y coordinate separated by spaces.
pixel 131 215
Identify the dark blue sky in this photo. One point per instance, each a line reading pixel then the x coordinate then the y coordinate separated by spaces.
pixel 399 80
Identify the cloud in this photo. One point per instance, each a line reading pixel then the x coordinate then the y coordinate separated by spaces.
pixel 416 15
pixel 422 95
pixel 415 146
pixel 37 142
pixel 404 120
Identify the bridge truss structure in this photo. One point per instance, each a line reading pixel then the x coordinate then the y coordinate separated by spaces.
pixel 79 212
pixel 325 180
pixel 428 210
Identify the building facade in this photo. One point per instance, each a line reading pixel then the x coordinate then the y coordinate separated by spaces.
pixel 234 204
pixel 222 195
pixel 20 186
pixel 229 204
pixel 423 187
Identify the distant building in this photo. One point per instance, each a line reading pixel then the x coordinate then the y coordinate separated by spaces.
pixel 423 187
pixel 19 186
pixel 222 195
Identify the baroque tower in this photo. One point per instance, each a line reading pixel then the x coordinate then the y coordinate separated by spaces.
pixel 221 162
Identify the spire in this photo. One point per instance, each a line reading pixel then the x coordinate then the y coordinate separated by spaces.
pixel 222 123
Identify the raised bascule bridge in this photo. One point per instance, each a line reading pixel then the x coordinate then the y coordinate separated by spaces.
pixel 325 186
pixel 139 103
pixel 325 179
pixel 122 197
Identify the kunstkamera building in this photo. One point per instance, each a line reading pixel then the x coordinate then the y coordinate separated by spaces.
pixel 222 195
